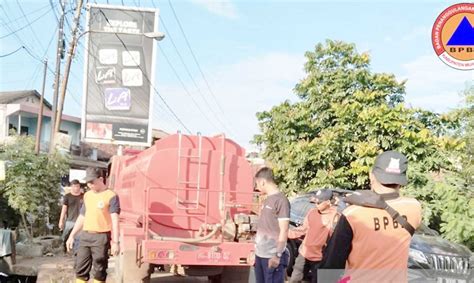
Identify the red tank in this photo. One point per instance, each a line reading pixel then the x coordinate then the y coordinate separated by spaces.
pixel 187 200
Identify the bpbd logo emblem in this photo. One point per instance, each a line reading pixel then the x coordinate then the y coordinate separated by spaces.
pixel 453 36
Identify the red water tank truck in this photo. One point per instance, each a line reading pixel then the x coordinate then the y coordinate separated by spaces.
pixel 188 200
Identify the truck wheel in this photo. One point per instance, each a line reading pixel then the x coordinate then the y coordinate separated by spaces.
pixel 214 278
pixel 127 270
pixel 238 274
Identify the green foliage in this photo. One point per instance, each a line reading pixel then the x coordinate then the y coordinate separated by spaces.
pixel 448 202
pixel 465 118
pixel 448 207
pixel 346 115
pixel 31 184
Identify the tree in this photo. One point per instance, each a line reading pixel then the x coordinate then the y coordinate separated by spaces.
pixel 448 198
pixel 345 116
pixel 465 116
pixel 31 184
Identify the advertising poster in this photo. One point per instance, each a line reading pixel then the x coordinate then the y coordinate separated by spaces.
pixel 118 75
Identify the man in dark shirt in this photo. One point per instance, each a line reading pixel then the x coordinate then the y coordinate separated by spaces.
pixel 272 230
pixel 72 203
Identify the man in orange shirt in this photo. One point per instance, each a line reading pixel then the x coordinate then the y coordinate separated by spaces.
pixel 99 220
pixel 367 242
pixel 316 228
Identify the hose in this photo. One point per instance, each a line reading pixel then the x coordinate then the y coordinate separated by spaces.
pixel 188 240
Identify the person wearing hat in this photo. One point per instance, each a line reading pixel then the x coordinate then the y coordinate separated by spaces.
pixel 99 221
pixel 367 242
pixel 316 229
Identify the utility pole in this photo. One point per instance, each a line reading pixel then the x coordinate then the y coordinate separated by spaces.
pixel 67 67
pixel 59 51
pixel 40 114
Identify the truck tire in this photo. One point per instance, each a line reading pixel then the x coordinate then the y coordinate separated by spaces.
pixel 236 274
pixel 127 270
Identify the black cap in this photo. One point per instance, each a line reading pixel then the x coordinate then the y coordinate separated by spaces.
pixel 91 174
pixel 323 195
pixel 391 168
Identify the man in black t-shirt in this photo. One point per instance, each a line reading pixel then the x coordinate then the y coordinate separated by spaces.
pixel 72 203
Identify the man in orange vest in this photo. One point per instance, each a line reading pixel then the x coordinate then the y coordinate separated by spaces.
pixel 99 221
pixel 316 228
pixel 368 242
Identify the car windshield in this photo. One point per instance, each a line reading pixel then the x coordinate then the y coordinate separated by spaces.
pixel 299 208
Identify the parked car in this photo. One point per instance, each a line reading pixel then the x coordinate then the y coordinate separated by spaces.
pixel 430 255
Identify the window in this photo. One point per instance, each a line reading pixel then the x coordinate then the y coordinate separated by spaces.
pixel 24 130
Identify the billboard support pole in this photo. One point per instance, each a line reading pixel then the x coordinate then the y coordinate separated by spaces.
pixel 67 67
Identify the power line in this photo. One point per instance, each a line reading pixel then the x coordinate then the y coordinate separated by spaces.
pixel 13 52
pixel 11 30
pixel 187 71
pixel 23 27
pixel 24 16
pixel 30 52
pixel 217 118
pixel 25 46
pixel 194 56
pixel 54 10
pixel 185 89
pixel 29 24
pixel 34 77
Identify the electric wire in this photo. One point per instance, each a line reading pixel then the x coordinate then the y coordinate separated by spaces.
pixel 28 22
pixel 24 16
pixel 13 52
pixel 185 89
pixel 25 26
pixel 194 56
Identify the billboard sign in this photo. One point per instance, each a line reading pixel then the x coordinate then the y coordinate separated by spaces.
pixel 118 75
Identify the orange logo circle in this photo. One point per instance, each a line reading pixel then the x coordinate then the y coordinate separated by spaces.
pixel 453 36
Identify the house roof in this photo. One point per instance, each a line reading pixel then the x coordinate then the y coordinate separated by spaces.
pixel 7 97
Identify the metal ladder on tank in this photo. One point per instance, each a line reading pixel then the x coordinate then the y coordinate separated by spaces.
pixel 187 204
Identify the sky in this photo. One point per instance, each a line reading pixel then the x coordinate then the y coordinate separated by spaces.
pixel 242 57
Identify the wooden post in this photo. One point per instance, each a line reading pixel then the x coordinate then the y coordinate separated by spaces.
pixel 40 111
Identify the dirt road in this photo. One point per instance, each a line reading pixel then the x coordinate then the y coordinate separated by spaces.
pixel 60 269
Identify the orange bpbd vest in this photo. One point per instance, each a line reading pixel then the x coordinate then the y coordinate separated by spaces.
pixel 97 215
pixel 379 242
